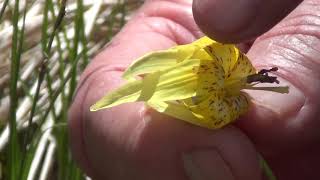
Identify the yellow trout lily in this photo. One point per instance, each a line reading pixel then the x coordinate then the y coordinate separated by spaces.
pixel 199 83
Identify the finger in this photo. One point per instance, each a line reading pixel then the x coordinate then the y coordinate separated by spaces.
pixel 129 142
pixel 237 21
pixel 279 123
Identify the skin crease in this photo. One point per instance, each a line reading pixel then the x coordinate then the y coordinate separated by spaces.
pixel 130 141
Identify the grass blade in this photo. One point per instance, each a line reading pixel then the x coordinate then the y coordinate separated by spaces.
pixel 3 8
pixel 266 169
pixel 14 151
pixel 41 76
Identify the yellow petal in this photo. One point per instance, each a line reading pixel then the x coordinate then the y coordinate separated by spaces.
pixel 215 109
pixel 238 105
pixel 174 83
pixel 177 82
pixel 128 93
pixel 234 63
pixel 159 60
pixel 179 111
pixel 204 42
pixel 241 69
pixel 211 78
pixel 225 54
pixel 213 113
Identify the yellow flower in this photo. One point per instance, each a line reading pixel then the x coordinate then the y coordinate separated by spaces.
pixel 199 83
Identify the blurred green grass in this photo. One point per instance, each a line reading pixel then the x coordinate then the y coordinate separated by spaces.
pixel 44 47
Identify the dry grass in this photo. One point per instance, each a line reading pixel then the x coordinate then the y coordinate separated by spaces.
pixel 39 143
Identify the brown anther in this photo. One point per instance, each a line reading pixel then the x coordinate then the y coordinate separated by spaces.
pixel 265 71
pixel 263 77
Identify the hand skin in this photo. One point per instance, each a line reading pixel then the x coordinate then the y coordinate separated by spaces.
pixel 132 142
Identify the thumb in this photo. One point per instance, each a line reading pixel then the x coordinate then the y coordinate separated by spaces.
pixel 236 21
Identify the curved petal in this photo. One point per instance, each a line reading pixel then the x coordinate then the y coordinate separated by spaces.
pixel 235 64
pixel 221 111
pixel 211 78
pixel 181 112
pixel 213 113
pixel 215 109
pixel 238 105
pixel 159 60
pixel 204 42
pixel 128 93
pixel 174 83
pixel 225 54
pixel 241 69
pixel 177 82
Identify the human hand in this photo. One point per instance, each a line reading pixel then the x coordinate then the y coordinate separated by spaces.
pixel 131 142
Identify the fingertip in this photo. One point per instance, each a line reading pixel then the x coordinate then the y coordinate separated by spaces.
pixel 232 21
pixel 225 20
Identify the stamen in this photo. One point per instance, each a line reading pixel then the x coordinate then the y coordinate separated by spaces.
pixel 265 71
pixel 280 89
pixel 263 77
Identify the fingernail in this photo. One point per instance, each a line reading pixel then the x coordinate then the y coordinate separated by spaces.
pixel 206 164
pixel 228 15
